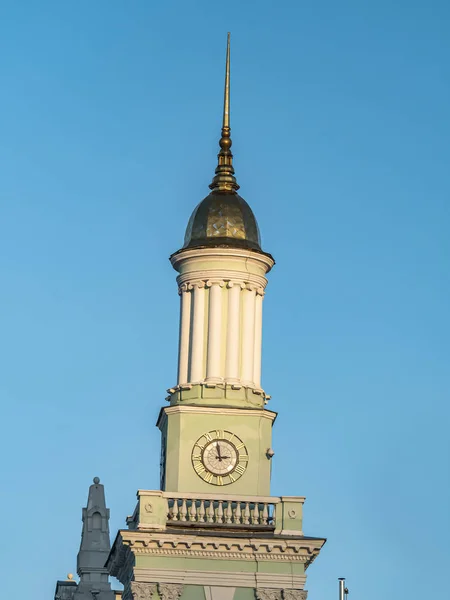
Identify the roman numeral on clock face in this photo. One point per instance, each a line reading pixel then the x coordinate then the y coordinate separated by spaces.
pixel 199 468
pixel 240 469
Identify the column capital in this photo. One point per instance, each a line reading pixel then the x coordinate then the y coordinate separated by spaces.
pixel 267 594
pixel 231 284
pixel 254 287
pixel 196 284
pixel 170 591
pixel 184 287
pixel 142 591
pixel 212 282
pixel 294 594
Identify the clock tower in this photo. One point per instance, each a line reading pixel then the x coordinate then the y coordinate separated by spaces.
pixel 212 531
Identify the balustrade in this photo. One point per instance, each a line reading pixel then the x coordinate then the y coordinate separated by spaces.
pixel 250 512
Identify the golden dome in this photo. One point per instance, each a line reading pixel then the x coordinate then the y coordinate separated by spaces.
pixel 223 219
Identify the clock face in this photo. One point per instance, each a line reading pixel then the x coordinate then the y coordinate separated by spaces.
pixel 219 457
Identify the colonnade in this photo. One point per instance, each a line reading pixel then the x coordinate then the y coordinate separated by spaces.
pixel 220 332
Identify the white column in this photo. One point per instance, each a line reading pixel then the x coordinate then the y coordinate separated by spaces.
pixel 232 350
pixel 258 338
pixel 185 327
pixel 198 329
pixel 248 334
pixel 214 331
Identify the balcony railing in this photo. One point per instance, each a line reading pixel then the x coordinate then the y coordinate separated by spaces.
pixel 222 510
pixel 159 510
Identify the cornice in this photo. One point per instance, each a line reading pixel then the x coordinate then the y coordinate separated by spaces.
pixel 273 549
pixel 222 254
pixel 206 410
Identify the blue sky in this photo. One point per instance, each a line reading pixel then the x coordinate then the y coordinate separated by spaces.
pixel 110 115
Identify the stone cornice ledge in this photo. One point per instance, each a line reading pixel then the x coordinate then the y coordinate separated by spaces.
pixel 224 547
pixel 206 410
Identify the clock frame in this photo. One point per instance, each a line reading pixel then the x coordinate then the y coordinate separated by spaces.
pixel 210 469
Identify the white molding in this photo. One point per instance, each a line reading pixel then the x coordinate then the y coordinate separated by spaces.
pixel 222 254
pixel 206 410
pixel 293 499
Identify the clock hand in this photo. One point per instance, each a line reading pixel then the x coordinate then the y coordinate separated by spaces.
pixel 218 451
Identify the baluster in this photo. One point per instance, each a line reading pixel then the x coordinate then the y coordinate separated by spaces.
pixel 174 515
pixel 229 512
pixel 265 514
pixel 201 512
pixel 237 513
pixel 255 515
pixel 211 512
pixel 183 510
pixel 273 518
pixel 247 514
pixel 220 512
pixel 193 511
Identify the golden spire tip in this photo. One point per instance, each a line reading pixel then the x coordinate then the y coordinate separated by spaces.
pixel 224 179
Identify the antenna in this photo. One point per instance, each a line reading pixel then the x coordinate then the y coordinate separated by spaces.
pixel 343 591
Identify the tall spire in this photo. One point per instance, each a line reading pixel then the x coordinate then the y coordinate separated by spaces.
pixel 224 179
pixel 95 546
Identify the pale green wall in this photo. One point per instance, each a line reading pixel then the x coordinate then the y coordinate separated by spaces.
pixel 193 592
pixel 184 429
pixel 244 594
pixel 205 564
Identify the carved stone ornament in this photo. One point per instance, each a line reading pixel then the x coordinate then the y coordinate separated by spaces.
pixel 294 594
pixel 142 591
pixel 267 594
pixel 170 591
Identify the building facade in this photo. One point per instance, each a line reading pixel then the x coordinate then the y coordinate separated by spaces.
pixel 213 531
